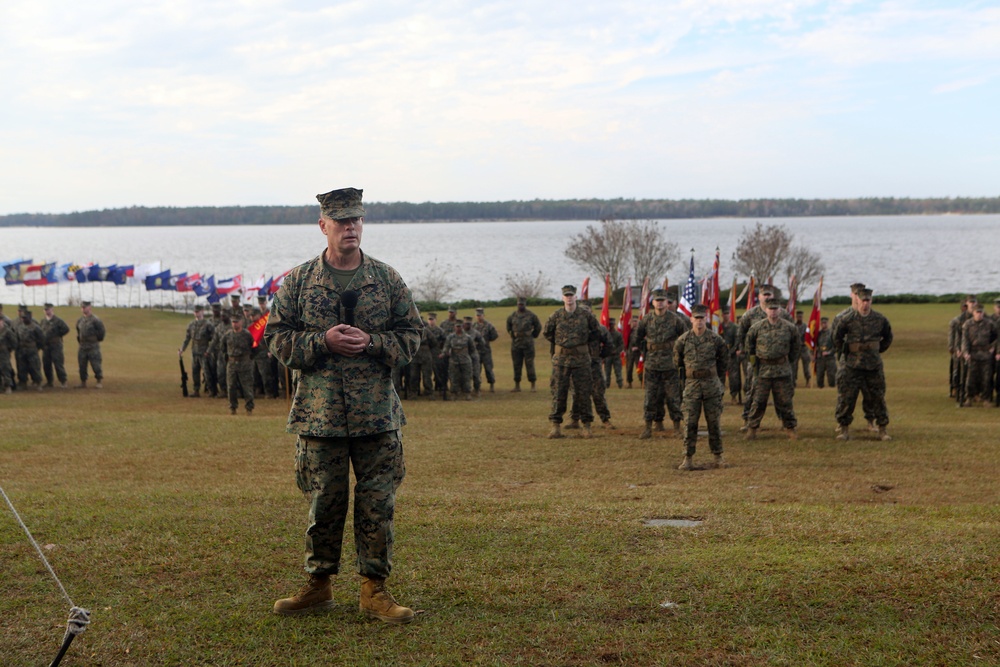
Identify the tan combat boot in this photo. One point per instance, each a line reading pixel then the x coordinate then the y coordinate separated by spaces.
pixel 677 428
pixel 99 385
pixel 792 433
pixel 556 432
pixel 608 425
pixel 573 425
pixel 532 386
pixel 658 426
pixel 82 385
pixel 882 435
pixel 719 462
pixel 751 433
pixel 871 426
pixel 586 432
pixel 517 387
pixel 492 391
pixel 686 464
pixel 315 596
pixel 647 432
pixel 746 425
pixel 378 602
pixel 843 432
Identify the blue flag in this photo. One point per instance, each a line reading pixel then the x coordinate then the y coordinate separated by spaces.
pixel 158 281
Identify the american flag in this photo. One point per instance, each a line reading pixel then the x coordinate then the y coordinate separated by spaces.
pixel 690 295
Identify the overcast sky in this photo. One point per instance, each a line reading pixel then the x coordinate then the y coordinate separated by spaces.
pixel 111 103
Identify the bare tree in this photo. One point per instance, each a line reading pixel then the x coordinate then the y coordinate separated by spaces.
pixel 760 251
pixel 805 265
pixel 603 251
pixel 650 253
pixel 524 285
pixel 618 248
pixel 436 284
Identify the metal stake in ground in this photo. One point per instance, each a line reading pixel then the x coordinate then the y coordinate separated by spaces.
pixel 79 618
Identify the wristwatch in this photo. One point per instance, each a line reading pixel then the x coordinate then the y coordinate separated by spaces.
pixel 371 345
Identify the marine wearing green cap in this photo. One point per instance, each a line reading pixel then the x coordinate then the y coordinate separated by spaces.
pixel 341 204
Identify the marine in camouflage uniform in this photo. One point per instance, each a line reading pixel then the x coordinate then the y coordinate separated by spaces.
pixel 489 334
pixel 826 361
pixel 955 340
pixel 217 351
pixel 613 362
pixel 199 336
pixel 805 357
pixel 860 339
pixel 209 362
pixel 30 340
pixel 346 412
pixel 703 355
pixel 438 336
pixel 600 350
pixel 655 337
pixel 979 336
pixel 773 346
pixel 747 320
pixel 730 336
pixel 478 345
pixel 238 345
pixel 53 358
pixel 570 331
pixel 867 406
pixel 631 356
pixel 422 366
pixel 90 332
pixel 523 327
pixel 8 344
pixel 460 351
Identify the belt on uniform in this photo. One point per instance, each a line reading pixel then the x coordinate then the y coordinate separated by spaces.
pixel 656 347
pixel 862 347
pixel 773 362
pixel 575 351
pixel 702 375
pixel 240 357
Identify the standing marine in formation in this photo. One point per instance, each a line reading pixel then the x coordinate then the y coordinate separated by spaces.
pixel 238 345
pixel 90 333
pixel 979 337
pixel 703 356
pixel 773 347
pixel 613 362
pixel 53 358
pixel 570 331
pixel 199 335
pixel 523 327
pixel 860 339
pixel 826 360
pixel 489 334
pixel 655 337
pixel 30 341
pixel 460 351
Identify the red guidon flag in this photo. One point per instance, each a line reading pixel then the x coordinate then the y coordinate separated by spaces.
pixel 812 330
pixel 605 307
pixel 257 328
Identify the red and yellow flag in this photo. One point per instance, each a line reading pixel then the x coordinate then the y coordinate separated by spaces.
pixel 257 328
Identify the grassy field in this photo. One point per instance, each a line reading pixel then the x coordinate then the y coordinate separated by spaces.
pixel 178 525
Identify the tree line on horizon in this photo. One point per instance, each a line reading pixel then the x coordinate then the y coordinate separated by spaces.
pixel 538 209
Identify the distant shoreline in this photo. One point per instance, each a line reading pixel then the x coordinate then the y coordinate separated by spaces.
pixel 515 211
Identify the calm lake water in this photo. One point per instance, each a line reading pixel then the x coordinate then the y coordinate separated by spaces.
pixel 892 254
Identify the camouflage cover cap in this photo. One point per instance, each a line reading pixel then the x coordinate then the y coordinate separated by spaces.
pixel 522 301
pixel 467 318
pixel 199 308
pixel 865 294
pixel 659 293
pixel 772 303
pixel 262 297
pixel 84 304
pixel 48 305
pixel 480 311
pixel 766 289
pixel 568 289
pixel 216 306
pixel 857 287
pixel 451 309
pixel 432 316
pixel 699 311
pixel 979 306
pixel 824 319
pixel 341 204
pixel 971 299
pixel 996 301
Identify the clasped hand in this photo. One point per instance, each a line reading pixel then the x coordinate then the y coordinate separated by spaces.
pixel 347 340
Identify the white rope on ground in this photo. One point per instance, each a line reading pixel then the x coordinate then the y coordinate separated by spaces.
pixel 79 618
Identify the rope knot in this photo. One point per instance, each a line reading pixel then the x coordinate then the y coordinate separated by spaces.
pixel 79 619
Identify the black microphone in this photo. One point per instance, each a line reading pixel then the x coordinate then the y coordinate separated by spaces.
pixel 349 300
